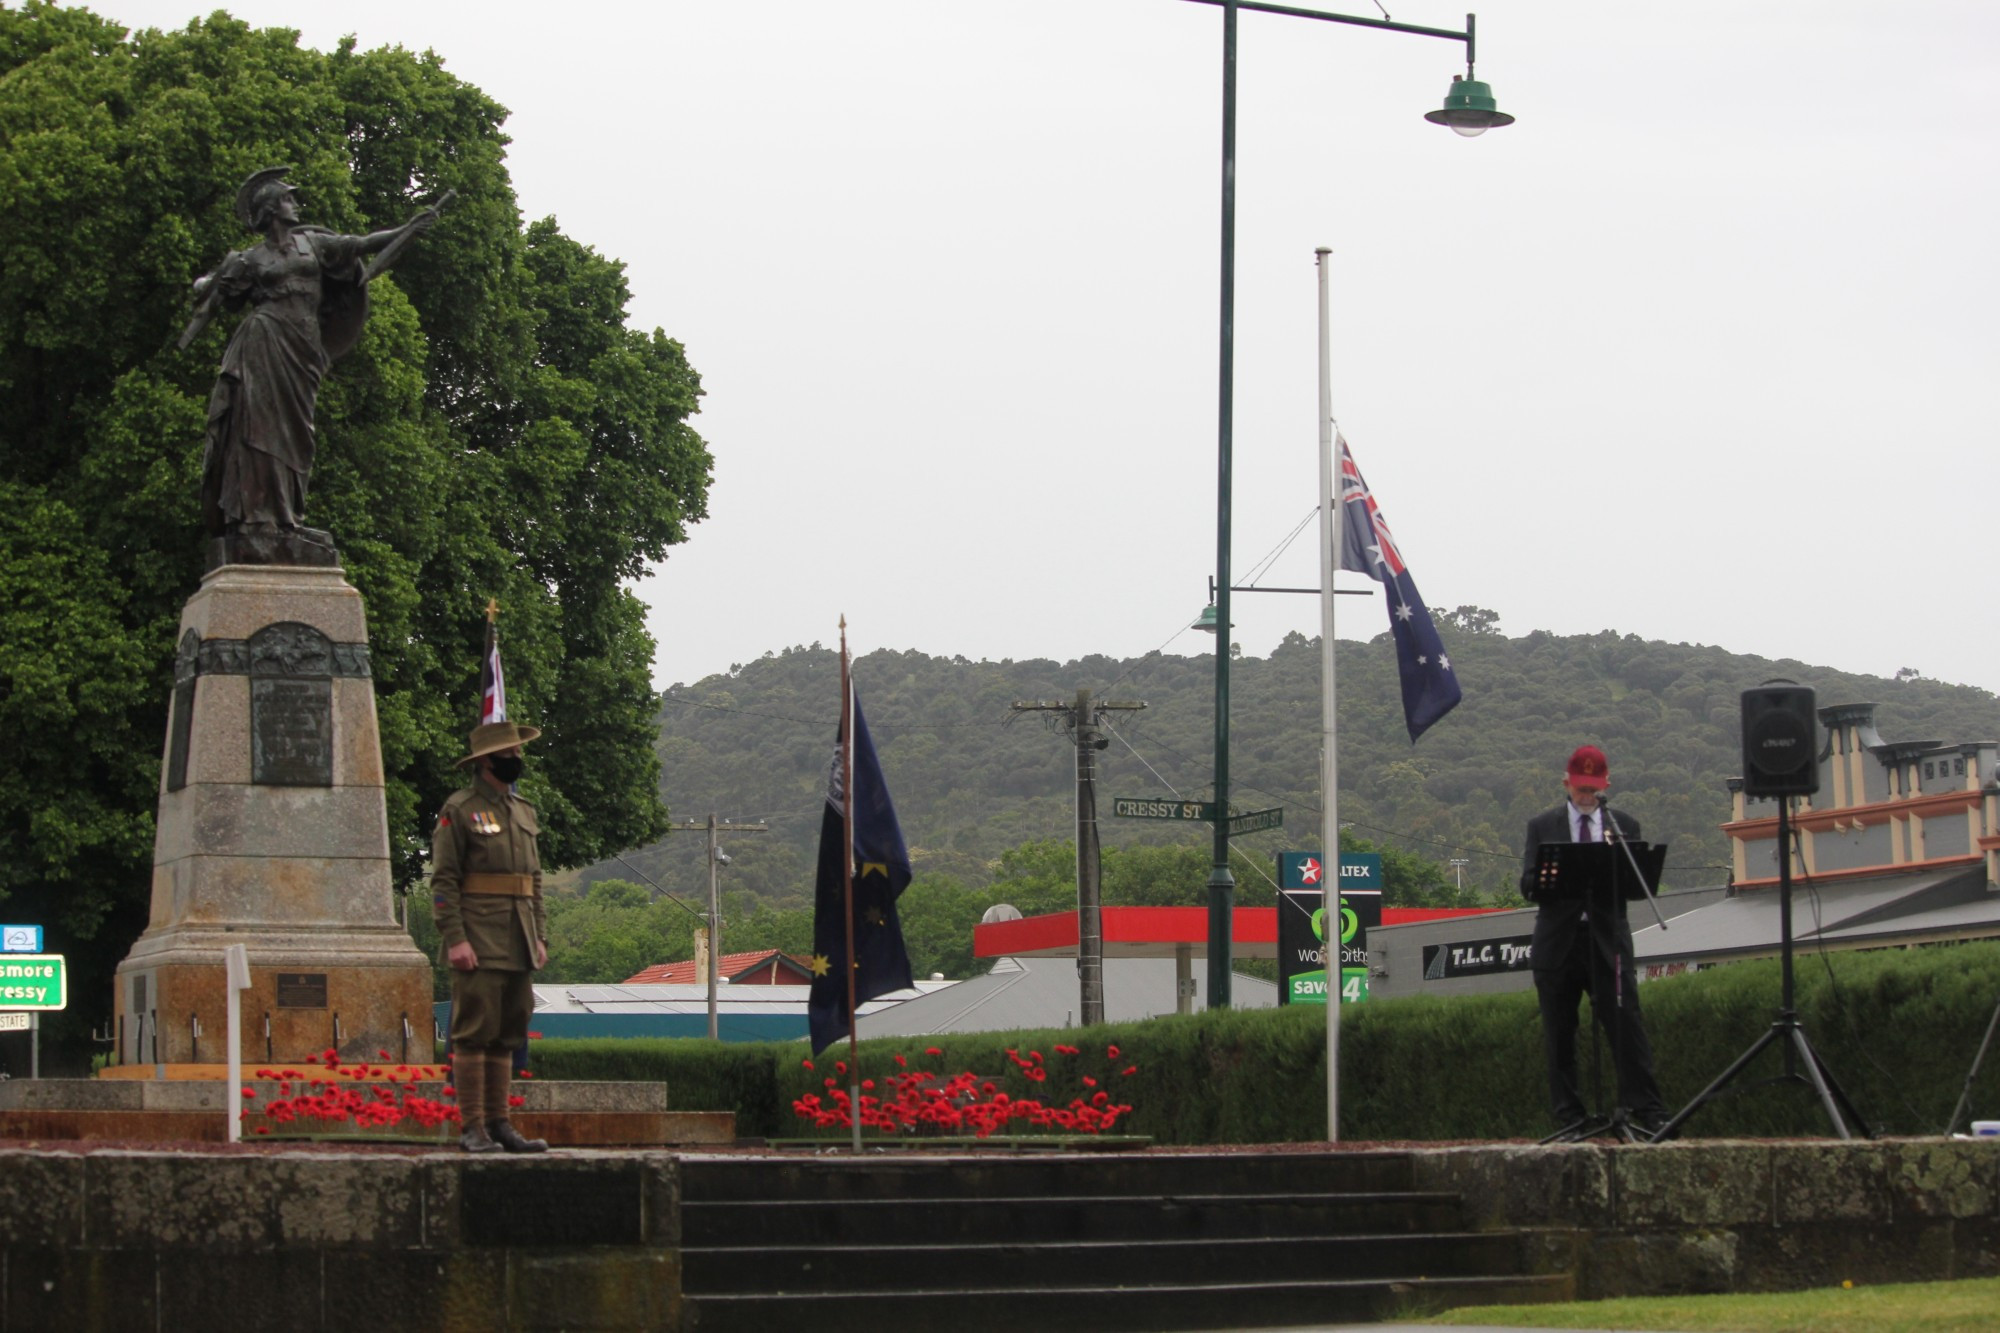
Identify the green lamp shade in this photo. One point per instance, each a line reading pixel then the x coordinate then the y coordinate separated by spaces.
pixel 1469 109
pixel 1205 622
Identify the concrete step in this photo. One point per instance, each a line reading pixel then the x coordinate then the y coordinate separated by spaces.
pixel 1025 1264
pixel 1099 1306
pixel 782 1221
pixel 973 1176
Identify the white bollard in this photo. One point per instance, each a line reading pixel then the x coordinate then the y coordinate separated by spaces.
pixel 236 963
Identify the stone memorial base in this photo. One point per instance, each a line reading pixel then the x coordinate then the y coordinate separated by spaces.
pixel 272 834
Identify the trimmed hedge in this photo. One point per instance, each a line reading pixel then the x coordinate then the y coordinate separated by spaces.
pixel 1898 1028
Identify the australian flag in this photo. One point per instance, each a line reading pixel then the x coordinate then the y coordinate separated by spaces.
pixel 1430 690
pixel 881 865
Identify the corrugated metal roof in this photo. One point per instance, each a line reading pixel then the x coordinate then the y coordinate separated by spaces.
pixel 1042 993
pixel 1884 910
pixel 558 998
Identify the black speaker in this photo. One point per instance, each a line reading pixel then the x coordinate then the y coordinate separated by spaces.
pixel 1780 754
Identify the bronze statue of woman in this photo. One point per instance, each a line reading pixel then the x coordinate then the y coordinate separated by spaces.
pixel 307 289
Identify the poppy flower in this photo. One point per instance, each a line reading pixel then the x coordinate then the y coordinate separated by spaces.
pixel 251 1093
pixel 805 1064
pixel 1111 1052
pixel 1128 1071
pixel 840 1066
pixel 933 1050
pixel 381 1055
pixel 1089 1082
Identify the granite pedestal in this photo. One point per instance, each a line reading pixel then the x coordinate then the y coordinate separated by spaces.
pixel 272 834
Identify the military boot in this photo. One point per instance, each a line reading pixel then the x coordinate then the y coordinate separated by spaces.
pixel 499 1084
pixel 468 1070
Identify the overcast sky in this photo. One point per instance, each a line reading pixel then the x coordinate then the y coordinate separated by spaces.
pixel 1696 351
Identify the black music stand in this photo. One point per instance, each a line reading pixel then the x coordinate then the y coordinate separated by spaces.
pixel 1602 875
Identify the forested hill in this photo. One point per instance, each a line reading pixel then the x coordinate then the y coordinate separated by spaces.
pixel 971 778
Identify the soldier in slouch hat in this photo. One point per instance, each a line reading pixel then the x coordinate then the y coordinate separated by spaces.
pixel 486 896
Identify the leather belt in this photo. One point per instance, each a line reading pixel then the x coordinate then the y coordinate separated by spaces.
pixel 506 886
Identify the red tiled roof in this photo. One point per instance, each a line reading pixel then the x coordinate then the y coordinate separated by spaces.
pixel 733 965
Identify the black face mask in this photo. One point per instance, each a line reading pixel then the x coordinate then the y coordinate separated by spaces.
pixel 508 767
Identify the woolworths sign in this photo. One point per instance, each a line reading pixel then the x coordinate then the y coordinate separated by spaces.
pixel 1306 934
pixel 33 981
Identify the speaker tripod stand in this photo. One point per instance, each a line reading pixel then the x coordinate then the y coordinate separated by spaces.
pixel 1787 1032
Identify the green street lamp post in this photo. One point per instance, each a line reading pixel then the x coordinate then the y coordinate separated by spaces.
pixel 1469 110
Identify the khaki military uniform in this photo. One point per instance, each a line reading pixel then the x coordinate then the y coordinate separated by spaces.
pixel 486 891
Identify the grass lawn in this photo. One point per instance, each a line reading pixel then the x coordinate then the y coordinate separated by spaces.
pixel 1914 1307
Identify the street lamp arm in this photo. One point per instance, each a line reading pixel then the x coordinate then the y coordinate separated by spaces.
pixel 1353 20
pixel 1469 110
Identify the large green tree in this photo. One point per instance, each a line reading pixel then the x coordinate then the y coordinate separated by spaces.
pixel 498 433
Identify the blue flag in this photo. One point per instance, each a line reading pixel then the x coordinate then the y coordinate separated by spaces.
pixel 881 873
pixel 1430 690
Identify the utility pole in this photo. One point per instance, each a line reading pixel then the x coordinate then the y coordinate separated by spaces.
pixel 1081 721
pixel 716 860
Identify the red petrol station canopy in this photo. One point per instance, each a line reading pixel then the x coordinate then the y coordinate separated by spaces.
pixel 1161 932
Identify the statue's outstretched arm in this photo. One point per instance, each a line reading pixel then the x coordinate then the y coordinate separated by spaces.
pixel 386 245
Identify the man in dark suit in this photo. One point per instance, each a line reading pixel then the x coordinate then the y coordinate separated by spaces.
pixel 1578 951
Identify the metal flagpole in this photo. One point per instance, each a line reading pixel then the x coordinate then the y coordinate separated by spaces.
pixel 847 880
pixel 1329 752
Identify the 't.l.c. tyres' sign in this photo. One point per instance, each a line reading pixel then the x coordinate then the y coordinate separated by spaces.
pixel 1303 927
pixel 1478 958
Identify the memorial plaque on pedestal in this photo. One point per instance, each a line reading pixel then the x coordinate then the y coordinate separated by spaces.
pixel 186 668
pixel 291 733
pixel 291 707
pixel 302 990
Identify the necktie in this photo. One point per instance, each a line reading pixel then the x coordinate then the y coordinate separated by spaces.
pixel 1584 832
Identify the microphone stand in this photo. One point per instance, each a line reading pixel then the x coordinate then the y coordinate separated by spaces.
pixel 1612 833
pixel 1621 1120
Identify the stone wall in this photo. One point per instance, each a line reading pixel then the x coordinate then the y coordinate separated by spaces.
pixel 395 1238
pixel 1721 1215
pixel 308 1240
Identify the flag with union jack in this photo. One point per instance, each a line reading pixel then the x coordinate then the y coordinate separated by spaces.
pixel 492 683
pixel 1430 689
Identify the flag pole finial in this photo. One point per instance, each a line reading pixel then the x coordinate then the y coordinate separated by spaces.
pixel 492 610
